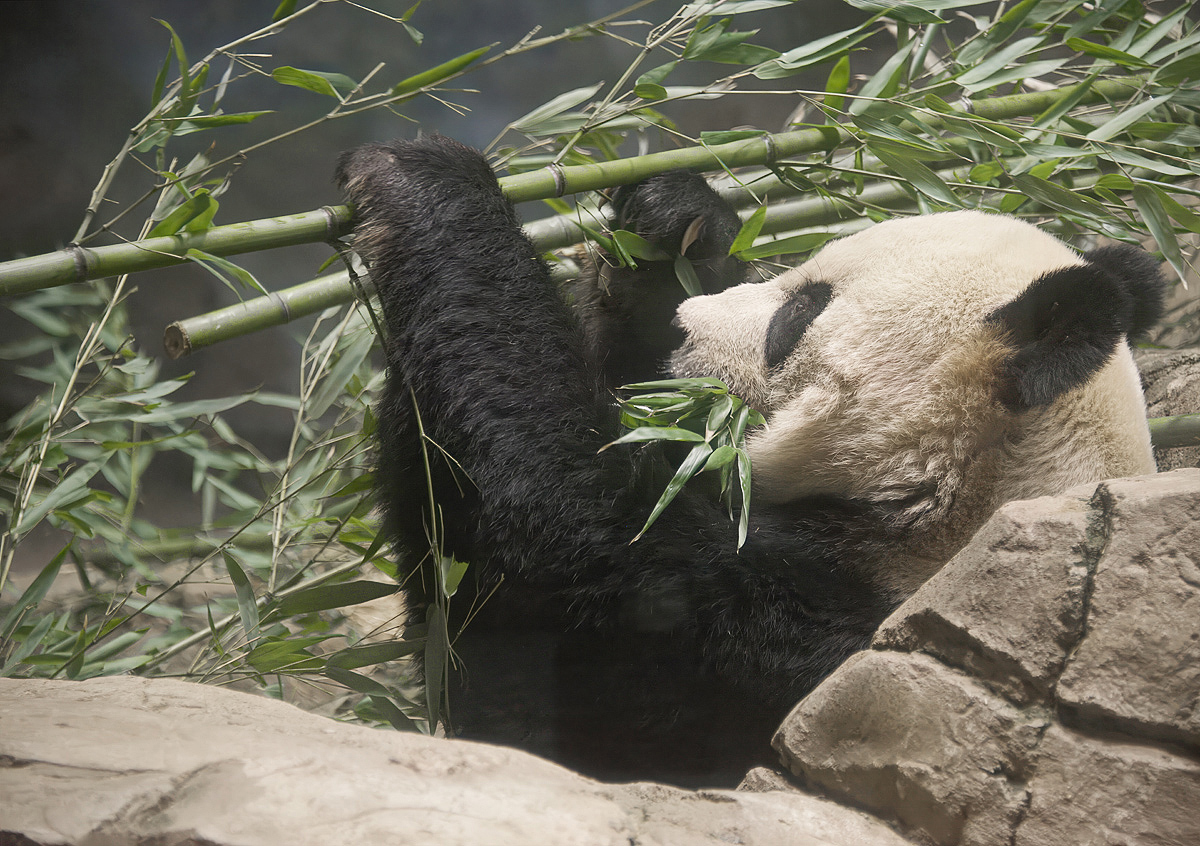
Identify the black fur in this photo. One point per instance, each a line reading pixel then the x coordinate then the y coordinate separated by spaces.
pixel 667 658
pixel 1060 338
pixel 626 313
pixel 792 320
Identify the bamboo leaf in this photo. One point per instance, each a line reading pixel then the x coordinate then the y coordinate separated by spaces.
pixel 815 52
pixel 326 597
pixel 635 246
pixel 185 81
pixel 414 84
pixel 247 606
pixel 319 82
pixel 216 264
pixel 370 654
pixel 276 654
pixel 643 434
pixel 749 231
pixel 1058 197
pixel 196 214
pixel 721 457
pixel 283 10
pixel 1101 51
pixel 1126 118
pixel 33 595
pixel 743 469
pixel 917 175
pixel 804 243
pixel 1155 216
pixel 563 102
pixel 690 467
pixel 686 274
pixel 838 84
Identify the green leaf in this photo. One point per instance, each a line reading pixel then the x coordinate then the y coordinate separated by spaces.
pixel 917 175
pixel 701 383
pixel 1101 51
pixel 1126 118
pixel 650 91
pixel 247 606
pixel 721 456
pixel 326 597
pixel 686 274
pixel 562 103
pixel 1056 196
pixel 216 264
pixel 333 384
pixel 434 75
pixel 195 215
pixel 749 231
pixel 32 596
pixel 886 81
pixel 451 572
pixel 185 81
pixel 642 434
pixel 1155 216
pixel 743 468
pixel 815 52
pixel 283 10
pixel 329 84
pixel 69 491
pixel 838 84
pixel 718 416
pixel 374 653
pixel 198 122
pixel 634 245
pixel 1184 69
pixel 286 654
pixel 804 243
pixel 691 465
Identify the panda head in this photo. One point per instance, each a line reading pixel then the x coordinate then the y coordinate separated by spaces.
pixel 928 369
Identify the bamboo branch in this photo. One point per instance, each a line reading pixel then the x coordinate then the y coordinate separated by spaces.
pixel 187 336
pixel 1180 431
pixel 78 264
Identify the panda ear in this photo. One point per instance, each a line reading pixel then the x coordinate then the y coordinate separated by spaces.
pixel 1067 324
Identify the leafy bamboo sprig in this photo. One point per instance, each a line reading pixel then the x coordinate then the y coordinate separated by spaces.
pixel 701 412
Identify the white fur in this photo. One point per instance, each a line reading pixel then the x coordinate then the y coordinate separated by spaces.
pixel 890 395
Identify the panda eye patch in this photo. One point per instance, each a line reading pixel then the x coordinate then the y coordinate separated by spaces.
pixel 792 319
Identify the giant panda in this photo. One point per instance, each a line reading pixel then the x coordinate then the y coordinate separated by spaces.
pixel 914 376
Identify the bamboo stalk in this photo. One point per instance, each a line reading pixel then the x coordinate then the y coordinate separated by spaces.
pixel 1180 431
pixel 184 337
pixel 78 264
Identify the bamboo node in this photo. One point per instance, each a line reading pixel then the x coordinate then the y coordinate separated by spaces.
pixel 80 257
pixel 175 341
pixel 282 303
pixel 332 230
pixel 772 149
pixel 560 179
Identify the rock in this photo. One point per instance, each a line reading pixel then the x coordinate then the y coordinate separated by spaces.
pixel 1138 669
pixel 1041 690
pixel 1009 607
pixel 153 761
pixel 1171 383
pixel 915 741
pixel 1090 791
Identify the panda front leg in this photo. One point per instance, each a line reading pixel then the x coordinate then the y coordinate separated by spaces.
pixel 670 657
pixel 627 313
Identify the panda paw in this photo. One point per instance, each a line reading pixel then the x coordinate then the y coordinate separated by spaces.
pixel 679 212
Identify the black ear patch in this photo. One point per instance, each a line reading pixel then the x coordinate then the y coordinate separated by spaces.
pixel 1067 324
pixel 791 320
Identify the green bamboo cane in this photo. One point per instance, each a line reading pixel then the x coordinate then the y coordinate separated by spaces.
pixel 187 336
pixel 78 264
pixel 1179 431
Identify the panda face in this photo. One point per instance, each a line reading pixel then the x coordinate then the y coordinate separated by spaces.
pixel 881 366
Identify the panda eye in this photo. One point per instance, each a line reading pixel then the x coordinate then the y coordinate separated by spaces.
pixel 792 319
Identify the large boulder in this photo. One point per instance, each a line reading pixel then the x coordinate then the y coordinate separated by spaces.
pixel 1042 689
pixel 155 761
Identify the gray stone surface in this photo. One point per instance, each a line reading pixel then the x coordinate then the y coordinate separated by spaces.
pixel 1009 607
pixel 1171 381
pixel 1086 791
pixel 155 762
pixel 1041 690
pixel 1138 669
pixel 915 741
